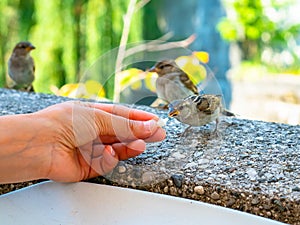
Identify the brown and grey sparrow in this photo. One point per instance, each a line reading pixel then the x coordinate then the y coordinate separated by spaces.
pixel 172 82
pixel 21 67
pixel 198 110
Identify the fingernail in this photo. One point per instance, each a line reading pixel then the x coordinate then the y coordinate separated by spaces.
pixel 151 124
pixel 112 152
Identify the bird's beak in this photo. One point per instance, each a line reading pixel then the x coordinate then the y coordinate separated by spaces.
pixel 29 48
pixel 173 113
pixel 153 69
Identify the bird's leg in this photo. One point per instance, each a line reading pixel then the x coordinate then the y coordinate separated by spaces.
pixel 165 107
pixel 160 104
pixel 30 89
pixel 185 131
pixel 215 132
pixel 162 107
pixel 217 123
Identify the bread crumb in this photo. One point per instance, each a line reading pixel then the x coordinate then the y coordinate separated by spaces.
pixel 161 122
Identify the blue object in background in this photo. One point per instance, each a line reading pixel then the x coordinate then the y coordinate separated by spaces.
pixel 182 19
pixel 199 17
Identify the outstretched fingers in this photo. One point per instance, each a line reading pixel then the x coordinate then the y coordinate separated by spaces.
pixel 129 150
pixel 104 163
pixel 125 129
pixel 123 111
pixel 105 158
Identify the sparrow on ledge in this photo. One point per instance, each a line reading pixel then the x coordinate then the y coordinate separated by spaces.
pixel 198 110
pixel 172 82
pixel 21 67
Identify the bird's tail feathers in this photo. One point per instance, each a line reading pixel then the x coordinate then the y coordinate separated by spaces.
pixel 227 113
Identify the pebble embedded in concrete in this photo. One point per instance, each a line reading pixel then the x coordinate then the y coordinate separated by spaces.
pixel 215 196
pixel 199 190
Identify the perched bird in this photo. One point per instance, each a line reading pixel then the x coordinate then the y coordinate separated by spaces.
pixel 198 110
pixel 172 82
pixel 21 67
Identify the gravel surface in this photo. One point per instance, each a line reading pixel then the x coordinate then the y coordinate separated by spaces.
pixel 251 166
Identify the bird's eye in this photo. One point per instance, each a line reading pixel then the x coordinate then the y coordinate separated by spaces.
pixel 163 66
pixel 180 107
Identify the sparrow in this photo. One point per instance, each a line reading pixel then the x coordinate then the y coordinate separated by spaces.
pixel 172 82
pixel 21 67
pixel 198 110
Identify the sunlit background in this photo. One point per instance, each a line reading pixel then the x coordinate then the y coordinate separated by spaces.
pixel 253 47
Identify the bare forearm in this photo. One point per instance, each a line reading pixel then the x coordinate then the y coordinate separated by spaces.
pixel 23 149
pixel 60 142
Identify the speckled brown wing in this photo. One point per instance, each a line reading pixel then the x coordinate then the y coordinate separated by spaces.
pixel 208 103
pixel 184 78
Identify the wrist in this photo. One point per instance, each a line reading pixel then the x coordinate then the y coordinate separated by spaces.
pixel 25 148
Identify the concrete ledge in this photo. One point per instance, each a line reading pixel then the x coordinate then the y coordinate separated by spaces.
pixel 251 166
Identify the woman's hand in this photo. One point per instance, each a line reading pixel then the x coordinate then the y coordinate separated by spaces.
pixel 91 138
pixel 73 141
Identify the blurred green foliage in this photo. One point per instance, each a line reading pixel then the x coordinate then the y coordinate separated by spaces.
pixel 69 35
pixel 264 31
